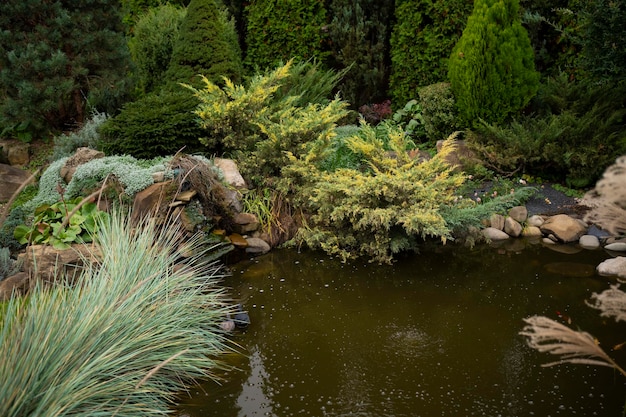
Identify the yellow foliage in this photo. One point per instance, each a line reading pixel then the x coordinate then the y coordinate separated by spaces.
pixel 377 213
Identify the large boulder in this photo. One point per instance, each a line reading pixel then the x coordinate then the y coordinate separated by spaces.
pixel 11 178
pixel 80 157
pixel 492 234
pixel 231 172
pixel 512 227
pixel 566 229
pixel 14 153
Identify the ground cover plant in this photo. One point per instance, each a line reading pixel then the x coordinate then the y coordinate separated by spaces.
pixel 136 329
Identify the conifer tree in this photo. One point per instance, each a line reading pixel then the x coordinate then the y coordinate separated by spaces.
pixel 360 31
pixel 491 68
pixel 279 30
pixel 421 42
pixel 207 45
pixel 162 122
pixel 55 55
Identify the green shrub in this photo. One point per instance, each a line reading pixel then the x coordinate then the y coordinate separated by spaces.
pixel 578 131
pixel 8 266
pixel 17 216
pixel 410 120
pixel 87 136
pixel 259 128
pixel 439 111
pixel 280 30
pixel 378 213
pixel 421 42
pixel 57 58
pixel 158 124
pixel 491 68
pixel 133 331
pixel 152 42
pixel 207 44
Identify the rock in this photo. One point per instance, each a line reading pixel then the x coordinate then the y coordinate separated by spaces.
pixel 148 201
pixel 257 246
pixel 589 242
pixel 597 232
pixel 245 223
pixel 11 178
pixel 43 262
pixel 14 153
pixel 230 171
pixel 497 221
pixel 565 228
pixel 519 214
pixel 185 196
pixel 80 157
pixel 227 325
pixel 241 318
pixel 616 247
pixel 232 199
pixel 18 283
pixel 613 267
pixel 512 227
pixel 491 233
pixel 531 231
pixel 571 269
pixel 238 241
pixel 535 220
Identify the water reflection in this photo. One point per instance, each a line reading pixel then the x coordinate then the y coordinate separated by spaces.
pixel 433 335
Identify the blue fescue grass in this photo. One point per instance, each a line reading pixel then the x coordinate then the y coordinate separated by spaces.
pixel 135 330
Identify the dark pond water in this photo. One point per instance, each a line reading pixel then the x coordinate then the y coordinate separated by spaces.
pixel 436 334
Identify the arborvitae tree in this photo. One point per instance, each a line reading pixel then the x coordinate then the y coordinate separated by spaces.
pixel 279 30
pixel 491 68
pixel 56 55
pixel 132 10
pixel 152 42
pixel 207 45
pixel 421 42
pixel 360 39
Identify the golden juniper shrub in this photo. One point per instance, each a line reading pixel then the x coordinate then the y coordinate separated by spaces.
pixel 257 127
pixel 377 213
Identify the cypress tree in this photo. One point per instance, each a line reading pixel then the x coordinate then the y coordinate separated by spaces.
pixel 207 45
pixel 279 30
pixel 57 54
pixel 360 33
pixel 491 68
pixel 421 42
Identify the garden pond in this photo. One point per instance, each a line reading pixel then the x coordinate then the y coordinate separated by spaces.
pixel 435 334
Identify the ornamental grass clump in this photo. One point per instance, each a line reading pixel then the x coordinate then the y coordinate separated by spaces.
pixel 137 327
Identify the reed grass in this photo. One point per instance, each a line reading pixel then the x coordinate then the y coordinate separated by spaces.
pixel 136 330
pixel 574 347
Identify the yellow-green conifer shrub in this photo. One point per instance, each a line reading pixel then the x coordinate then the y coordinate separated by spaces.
pixel 258 128
pixel 375 213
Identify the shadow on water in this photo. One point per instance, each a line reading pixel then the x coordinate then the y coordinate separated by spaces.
pixel 435 334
